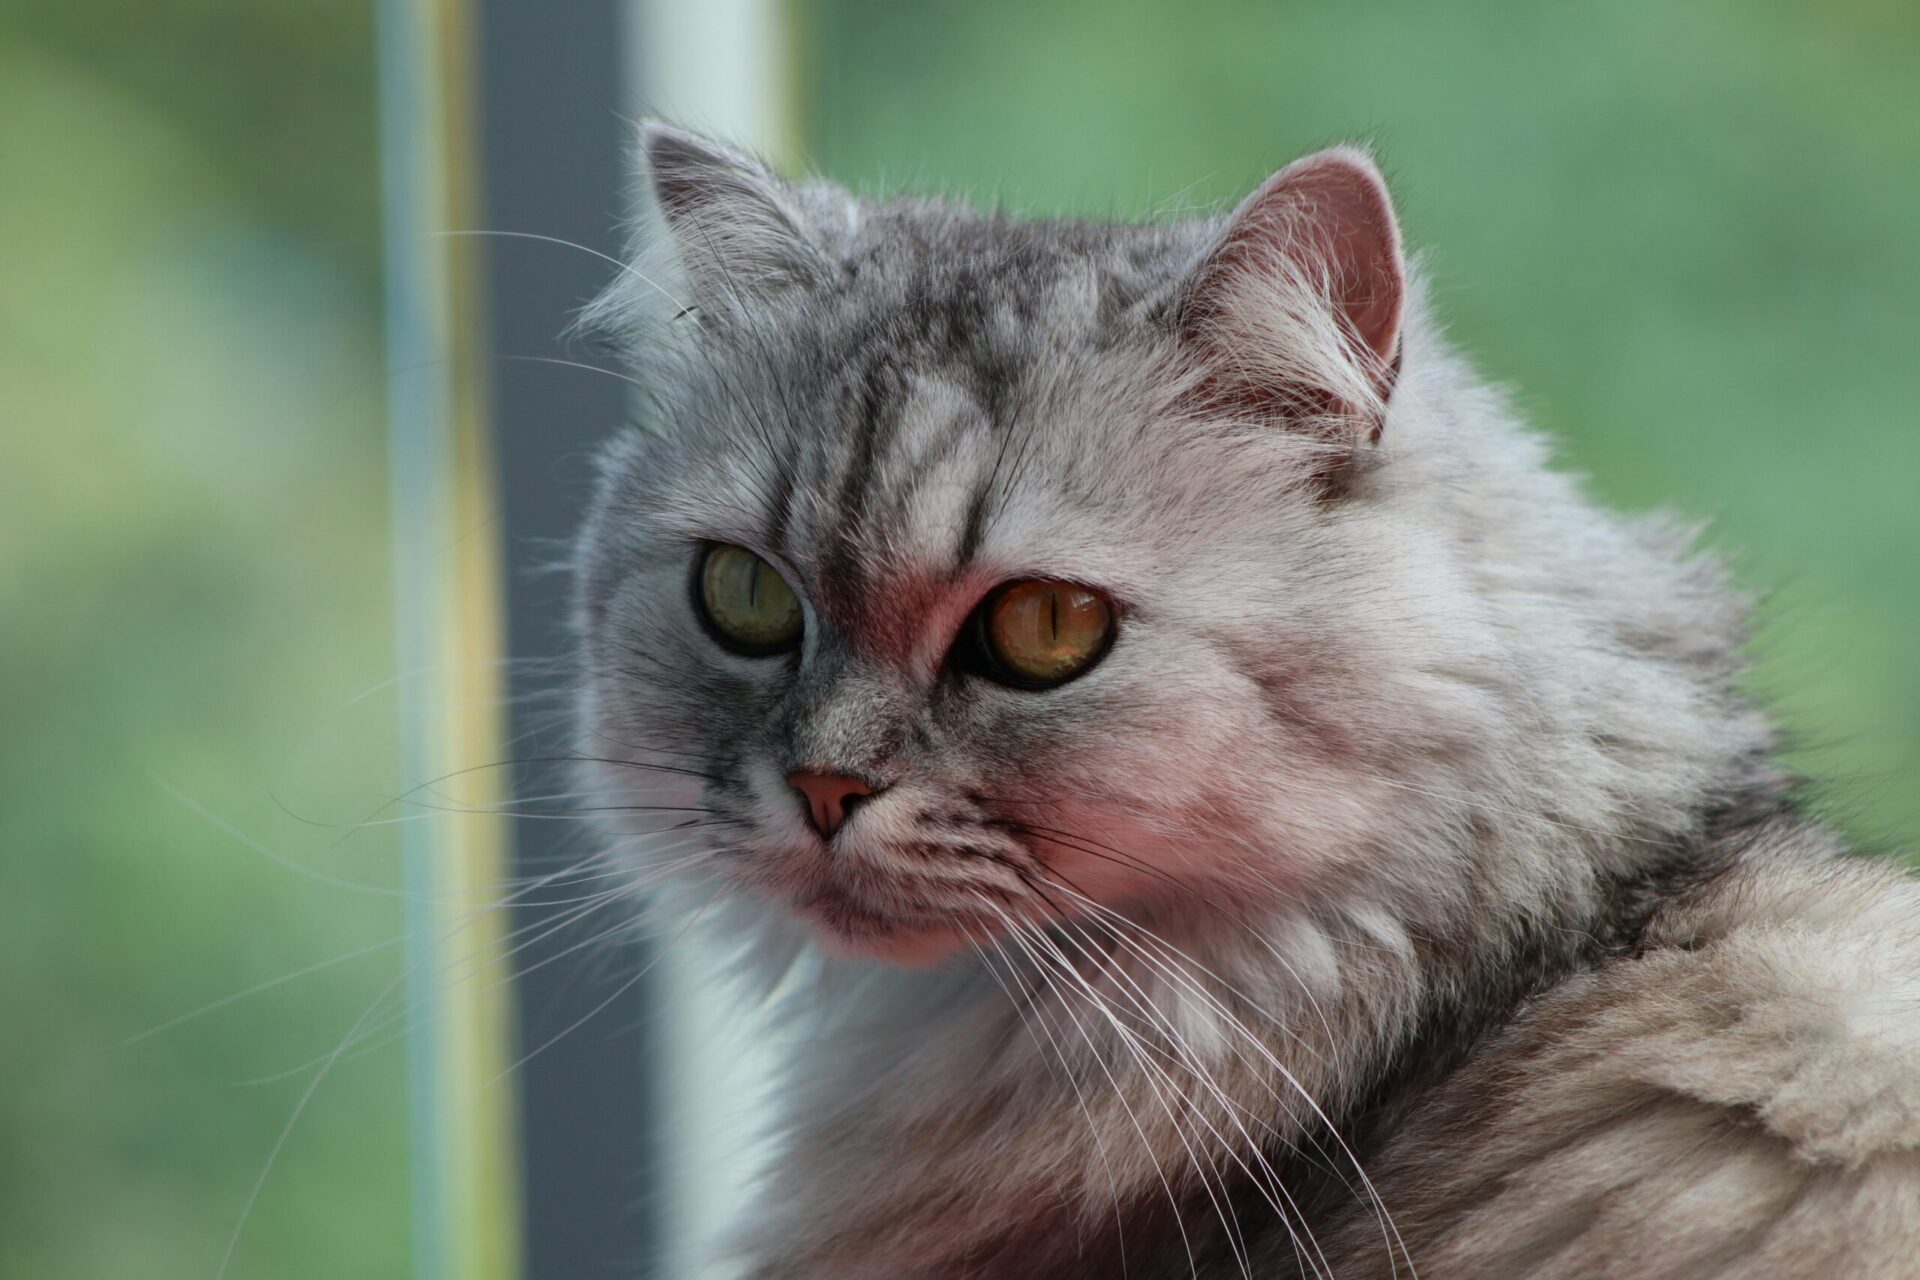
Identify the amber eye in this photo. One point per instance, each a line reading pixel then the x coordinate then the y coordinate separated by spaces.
pixel 1039 632
pixel 746 603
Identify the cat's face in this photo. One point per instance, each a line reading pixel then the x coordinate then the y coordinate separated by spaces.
pixel 967 571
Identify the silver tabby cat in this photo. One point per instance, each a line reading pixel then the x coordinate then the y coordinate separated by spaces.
pixel 1210 800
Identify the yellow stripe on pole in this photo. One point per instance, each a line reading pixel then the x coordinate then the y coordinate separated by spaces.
pixel 449 567
pixel 481 1199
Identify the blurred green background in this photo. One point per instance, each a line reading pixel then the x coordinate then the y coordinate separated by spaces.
pixel 194 589
pixel 1683 229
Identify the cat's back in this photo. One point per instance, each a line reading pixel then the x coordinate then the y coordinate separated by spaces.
pixel 1737 1097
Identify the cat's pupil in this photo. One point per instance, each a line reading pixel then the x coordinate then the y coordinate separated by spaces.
pixel 745 603
pixel 1042 632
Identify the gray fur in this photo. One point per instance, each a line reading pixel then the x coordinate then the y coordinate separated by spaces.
pixel 1409 891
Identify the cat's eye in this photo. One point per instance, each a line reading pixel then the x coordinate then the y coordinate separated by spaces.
pixel 1040 632
pixel 745 602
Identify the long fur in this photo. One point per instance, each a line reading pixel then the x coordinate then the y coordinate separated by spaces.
pixel 1410 891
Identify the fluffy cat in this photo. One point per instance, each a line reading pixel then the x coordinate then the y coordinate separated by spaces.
pixel 1214 801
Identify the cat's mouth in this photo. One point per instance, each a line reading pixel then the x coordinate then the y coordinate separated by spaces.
pixel 916 936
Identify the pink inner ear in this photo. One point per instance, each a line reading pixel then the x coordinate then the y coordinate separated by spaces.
pixel 1328 212
pixel 1344 205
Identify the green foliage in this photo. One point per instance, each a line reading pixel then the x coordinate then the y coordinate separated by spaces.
pixel 192 504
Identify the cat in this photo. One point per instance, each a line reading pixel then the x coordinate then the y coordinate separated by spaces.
pixel 1210 799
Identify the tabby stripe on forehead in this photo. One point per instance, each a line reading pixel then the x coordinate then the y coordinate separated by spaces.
pixel 781 504
pixel 974 531
pixel 931 464
pixel 879 406
pixel 998 391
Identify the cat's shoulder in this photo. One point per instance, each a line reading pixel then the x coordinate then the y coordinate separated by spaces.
pixel 1785 994
pixel 1738 1097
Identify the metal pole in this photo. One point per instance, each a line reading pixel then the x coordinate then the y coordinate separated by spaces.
pixel 553 164
pixel 446 605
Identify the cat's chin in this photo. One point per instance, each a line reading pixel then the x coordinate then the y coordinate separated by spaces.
pixel 915 948
pixel 853 932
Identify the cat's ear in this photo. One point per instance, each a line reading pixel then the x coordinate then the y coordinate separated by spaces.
pixel 1296 306
pixel 735 230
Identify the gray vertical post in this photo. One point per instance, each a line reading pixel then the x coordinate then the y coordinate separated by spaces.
pixel 552 140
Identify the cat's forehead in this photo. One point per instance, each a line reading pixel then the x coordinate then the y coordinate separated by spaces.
pixel 896 498
pixel 899 483
pixel 971 402
pixel 945 286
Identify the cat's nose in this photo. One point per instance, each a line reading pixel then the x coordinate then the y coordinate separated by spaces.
pixel 830 797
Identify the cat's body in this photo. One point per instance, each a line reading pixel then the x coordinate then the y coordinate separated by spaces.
pixel 1407 888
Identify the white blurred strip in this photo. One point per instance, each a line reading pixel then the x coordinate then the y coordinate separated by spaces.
pixel 720 67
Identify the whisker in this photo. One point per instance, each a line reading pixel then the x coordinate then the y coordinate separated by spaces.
pixel 623 988
pixel 625 267
pixel 1079 1095
pixel 486 957
pixel 259 987
pixel 288 864
pixel 1190 1060
pixel 326 1066
pixel 1156 1079
pixel 1020 938
pixel 575 814
pixel 547 927
pixel 1285 1073
pixel 1267 1183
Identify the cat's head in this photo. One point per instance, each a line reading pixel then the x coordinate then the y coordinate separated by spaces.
pixel 965 568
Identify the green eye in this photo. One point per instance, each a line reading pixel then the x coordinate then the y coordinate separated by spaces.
pixel 746 603
pixel 1040 632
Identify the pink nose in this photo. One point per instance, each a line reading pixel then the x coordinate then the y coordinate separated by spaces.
pixel 829 796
